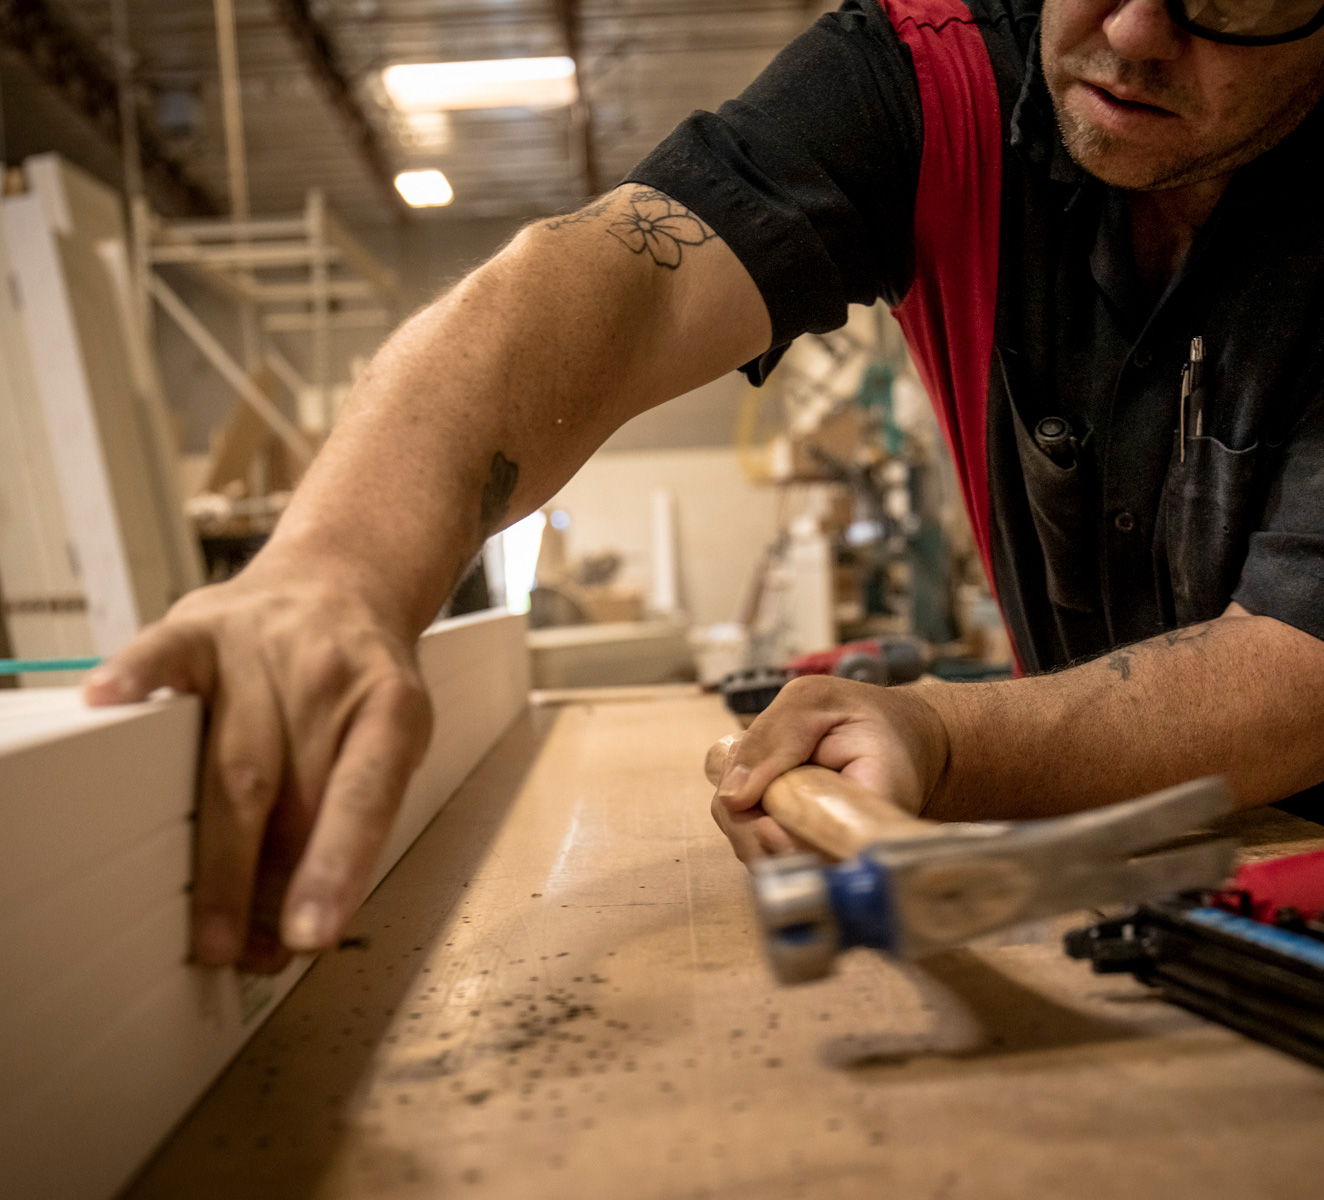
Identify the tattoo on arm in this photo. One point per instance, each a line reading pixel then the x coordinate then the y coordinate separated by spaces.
pixel 580 215
pixel 653 224
pixel 502 478
pixel 1175 637
pixel 1120 660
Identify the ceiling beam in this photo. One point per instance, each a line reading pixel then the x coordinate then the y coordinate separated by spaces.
pixel 57 56
pixel 323 64
pixel 581 114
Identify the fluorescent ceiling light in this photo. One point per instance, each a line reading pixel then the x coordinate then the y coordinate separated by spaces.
pixel 490 83
pixel 424 189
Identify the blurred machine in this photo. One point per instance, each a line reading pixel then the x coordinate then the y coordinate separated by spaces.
pixel 873 545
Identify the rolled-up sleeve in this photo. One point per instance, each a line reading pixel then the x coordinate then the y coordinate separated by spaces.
pixel 810 175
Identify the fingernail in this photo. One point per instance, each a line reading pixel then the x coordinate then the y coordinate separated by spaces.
pixel 309 928
pixel 733 782
pixel 215 941
pixel 103 677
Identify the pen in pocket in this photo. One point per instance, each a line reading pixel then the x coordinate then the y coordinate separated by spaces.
pixel 1190 416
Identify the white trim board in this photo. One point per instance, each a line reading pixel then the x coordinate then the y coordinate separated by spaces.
pixel 36 559
pixel 105 425
pixel 118 1036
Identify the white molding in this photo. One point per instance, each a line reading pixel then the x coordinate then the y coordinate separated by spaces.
pixel 36 566
pixel 105 421
pixel 109 1037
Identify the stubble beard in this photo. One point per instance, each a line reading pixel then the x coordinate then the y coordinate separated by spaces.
pixel 1104 155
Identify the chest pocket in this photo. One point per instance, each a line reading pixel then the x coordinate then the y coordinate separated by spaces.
pixel 1059 501
pixel 1211 503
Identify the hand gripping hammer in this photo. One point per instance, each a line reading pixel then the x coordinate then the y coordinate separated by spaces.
pixel 911 887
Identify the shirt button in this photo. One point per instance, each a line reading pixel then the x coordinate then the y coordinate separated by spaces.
pixel 1143 357
pixel 1124 522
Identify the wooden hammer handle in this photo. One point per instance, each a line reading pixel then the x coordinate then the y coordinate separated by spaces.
pixel 835 815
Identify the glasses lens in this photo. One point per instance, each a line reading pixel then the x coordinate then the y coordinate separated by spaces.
pixel 1251 18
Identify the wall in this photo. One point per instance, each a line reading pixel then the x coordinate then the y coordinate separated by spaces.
pixel 431 250
pixel 724 521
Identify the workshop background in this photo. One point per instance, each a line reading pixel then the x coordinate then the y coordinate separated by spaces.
pixel 212 213
pixel 215 212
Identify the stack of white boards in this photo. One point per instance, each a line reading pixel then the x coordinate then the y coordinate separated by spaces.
pixel 107 1036
pixel 93 535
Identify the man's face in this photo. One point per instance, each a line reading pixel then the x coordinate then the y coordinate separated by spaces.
pixel 1142 104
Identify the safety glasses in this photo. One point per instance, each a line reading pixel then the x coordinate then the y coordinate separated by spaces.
pixel 1248 22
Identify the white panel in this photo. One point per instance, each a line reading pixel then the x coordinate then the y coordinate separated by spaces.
pixel 110 1034
pixel 103 413
pixel 36 566
pixel 65 393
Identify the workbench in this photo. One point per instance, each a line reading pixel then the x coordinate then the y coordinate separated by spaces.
pixel 559 992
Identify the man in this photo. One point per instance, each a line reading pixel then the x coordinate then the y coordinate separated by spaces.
pixel 1053 285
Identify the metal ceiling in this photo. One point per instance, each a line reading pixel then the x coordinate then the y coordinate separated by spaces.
pixel 315 114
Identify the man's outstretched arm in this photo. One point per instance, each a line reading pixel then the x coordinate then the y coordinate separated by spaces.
pixel 473 413
pixel 1239 696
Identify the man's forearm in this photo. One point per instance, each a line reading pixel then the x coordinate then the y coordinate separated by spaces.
pixel 482 405
pixel 1239 696
pixel 472 414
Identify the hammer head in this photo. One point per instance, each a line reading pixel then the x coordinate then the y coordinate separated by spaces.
pixel 801 933
pixel 914 896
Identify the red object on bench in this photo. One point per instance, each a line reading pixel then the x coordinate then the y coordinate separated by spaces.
pixel 1296 881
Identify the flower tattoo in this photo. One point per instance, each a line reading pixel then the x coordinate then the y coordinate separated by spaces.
pixel 657 226
pixel 654 225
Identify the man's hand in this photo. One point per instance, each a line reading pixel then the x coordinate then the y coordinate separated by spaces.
pixel 890 740
pixel 317 718
pixel 1237 696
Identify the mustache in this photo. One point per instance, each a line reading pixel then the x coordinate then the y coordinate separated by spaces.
pixel 1150 77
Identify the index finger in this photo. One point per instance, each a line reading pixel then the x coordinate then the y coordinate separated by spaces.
pixel 384 743
pixel 166 654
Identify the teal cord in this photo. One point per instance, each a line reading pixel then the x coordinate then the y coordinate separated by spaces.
pixel 20 666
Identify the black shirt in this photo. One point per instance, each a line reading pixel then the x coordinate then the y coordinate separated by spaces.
pixel 810 177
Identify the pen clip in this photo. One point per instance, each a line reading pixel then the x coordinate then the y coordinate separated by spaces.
pixel 1196 379
pixel 1190 381
pixel 1181 411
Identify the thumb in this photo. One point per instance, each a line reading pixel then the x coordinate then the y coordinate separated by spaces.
pixel 782 737
pixel 719 753
pixel 163 655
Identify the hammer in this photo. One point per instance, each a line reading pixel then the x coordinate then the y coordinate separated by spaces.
pixel 912 887
pixel 831 812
